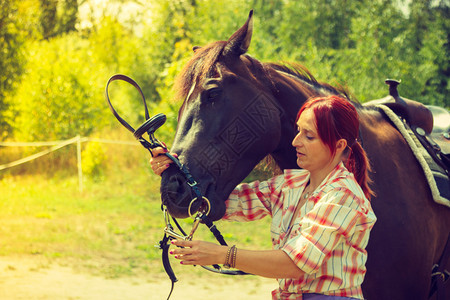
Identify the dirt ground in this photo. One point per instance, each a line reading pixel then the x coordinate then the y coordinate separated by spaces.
pixel 28 278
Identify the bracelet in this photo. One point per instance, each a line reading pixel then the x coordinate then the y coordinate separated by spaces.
pixel 233 259
pixel 230 260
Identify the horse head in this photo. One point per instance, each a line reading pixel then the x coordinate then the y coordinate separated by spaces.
pixel 236 111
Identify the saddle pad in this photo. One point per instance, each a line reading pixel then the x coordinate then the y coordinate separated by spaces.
pixel 437 179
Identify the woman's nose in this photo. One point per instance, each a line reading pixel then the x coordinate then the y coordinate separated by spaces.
pixel 296 141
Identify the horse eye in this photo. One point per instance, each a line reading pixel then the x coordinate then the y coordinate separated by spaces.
pixel 214 93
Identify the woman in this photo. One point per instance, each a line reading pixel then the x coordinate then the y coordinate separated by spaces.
pixel 321 214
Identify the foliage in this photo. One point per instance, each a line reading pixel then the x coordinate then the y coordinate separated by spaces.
pixel 57 17
pixel 93 160
pixel 60 96
pixel 106 230
pixel 53 71
pixel 354 43
pixel 12 41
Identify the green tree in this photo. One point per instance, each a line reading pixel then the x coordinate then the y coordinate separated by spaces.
pixel 68 16
pixel 57 17
pixel 355 43
pixel 378 36
pixel 12 42
pixel 61 95
pixel 429 35
pixel 48 18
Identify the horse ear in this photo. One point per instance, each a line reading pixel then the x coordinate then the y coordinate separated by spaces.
pixel 239 42
pixel 195 48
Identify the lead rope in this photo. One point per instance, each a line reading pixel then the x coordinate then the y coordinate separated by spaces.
pixel 150 126
pixel 164 246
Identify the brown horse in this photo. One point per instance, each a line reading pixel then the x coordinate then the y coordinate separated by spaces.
pixel 237 110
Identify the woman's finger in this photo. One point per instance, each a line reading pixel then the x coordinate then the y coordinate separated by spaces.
pixel 157 151
pixel 182 243
pixel 160 165
pixel 159 162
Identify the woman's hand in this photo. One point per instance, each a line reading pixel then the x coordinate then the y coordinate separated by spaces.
pixel 266 263
pixel 199 253
pixel 160 162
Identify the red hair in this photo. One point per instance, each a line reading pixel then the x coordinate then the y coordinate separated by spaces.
pixel 338 119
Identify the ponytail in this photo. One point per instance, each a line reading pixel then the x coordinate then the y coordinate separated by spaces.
pixel 358 163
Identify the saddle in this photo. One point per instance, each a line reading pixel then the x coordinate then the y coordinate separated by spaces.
pixel 420 119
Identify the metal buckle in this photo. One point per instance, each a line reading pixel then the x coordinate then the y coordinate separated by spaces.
pixel 191 184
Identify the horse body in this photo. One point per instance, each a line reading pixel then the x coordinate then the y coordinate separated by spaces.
pixel 237 110
pixel 411 229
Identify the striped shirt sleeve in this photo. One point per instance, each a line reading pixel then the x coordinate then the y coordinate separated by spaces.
pixel 335 217
pixel 253 201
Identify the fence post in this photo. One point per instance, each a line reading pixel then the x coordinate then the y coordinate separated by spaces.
pixel 80 170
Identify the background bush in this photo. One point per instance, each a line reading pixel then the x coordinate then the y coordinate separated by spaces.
pixel 55 62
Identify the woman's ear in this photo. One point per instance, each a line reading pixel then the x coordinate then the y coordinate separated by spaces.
pixel 341 145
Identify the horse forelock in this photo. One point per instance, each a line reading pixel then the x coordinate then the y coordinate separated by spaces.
pixel 198 68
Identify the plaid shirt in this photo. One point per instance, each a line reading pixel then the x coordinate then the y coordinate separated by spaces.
pixel 328 238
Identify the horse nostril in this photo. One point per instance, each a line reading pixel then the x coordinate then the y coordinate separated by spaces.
pixel 179 184
pixel 173 189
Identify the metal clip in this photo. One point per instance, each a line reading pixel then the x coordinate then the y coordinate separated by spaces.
pixel 194 227
pixel 173 234
pixel 169 228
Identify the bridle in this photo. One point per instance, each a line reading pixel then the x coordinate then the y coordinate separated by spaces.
pixel 200 215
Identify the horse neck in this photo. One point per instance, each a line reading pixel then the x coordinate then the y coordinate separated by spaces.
pixel 290 92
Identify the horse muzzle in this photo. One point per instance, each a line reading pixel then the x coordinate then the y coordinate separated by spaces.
pixel 181 200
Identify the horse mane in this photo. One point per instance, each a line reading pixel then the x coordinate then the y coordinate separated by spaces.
pixel 301 72
pixel 203 65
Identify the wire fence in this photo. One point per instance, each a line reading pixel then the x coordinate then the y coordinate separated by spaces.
pixel 56 145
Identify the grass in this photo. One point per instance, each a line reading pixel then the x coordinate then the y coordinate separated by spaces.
pixel 110 229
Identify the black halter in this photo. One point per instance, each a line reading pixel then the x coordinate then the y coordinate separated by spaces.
pixel 150 126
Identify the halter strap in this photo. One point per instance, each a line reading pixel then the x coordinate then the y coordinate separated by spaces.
pixel 133 83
